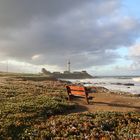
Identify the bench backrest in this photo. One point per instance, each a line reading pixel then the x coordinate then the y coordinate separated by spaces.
pixel 76 90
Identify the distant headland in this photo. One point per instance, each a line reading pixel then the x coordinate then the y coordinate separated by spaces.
pixel 67 74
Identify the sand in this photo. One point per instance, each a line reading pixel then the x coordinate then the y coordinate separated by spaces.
pixel 105 101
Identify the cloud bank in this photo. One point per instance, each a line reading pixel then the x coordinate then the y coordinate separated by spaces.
pixel 51 32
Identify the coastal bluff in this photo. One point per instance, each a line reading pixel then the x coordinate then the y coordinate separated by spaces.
pixel 67 74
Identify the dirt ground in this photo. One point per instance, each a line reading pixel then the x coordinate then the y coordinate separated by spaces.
pixel 108 102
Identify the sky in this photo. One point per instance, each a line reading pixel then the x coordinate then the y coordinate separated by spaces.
pixel 99 36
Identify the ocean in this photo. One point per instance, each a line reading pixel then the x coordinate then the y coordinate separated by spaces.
pixel 130 84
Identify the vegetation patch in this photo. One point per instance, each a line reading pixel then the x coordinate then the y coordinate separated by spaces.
pixel 89 126
pixel 23 103
pixel 30 110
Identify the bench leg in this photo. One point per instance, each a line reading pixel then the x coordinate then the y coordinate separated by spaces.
pixel 87 99
pixel 69 97
pixel 68 92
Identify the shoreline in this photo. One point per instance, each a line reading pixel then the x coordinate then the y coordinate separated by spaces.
pixel 127 86
pixel 106 100
pixel 109 91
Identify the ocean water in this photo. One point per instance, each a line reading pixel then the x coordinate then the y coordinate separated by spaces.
pixel 113 83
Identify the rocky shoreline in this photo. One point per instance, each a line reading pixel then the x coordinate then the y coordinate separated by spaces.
pixel 108 91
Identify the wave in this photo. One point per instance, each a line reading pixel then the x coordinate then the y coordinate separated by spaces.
pixel 137 79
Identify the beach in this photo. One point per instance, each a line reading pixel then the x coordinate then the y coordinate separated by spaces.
pixel 106 100
pixel 126 84
pixel 112 93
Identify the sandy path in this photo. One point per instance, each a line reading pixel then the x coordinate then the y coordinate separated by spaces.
pixel 109 102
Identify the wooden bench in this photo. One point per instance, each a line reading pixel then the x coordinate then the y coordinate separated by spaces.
pixel 76 90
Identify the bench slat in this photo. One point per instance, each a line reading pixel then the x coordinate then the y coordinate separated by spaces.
pixel 77 88
pixel 80 93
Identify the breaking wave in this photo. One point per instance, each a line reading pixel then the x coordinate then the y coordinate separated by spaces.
pixel 137 79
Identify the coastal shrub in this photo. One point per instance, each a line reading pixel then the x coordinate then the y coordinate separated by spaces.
pixel 102 125
pixel 18 116
pixel 22 103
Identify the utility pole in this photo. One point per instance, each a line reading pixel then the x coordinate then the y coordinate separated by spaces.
pixel 7 66
pixel 68 65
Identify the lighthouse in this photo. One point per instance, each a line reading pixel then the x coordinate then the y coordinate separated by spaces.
pixel 68 66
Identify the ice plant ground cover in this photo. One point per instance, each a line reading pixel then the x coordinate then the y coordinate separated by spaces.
pixel 34 110
pixel 87 126
pixel 22 103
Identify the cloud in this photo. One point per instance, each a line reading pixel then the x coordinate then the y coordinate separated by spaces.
pixel 134 51
pixel 131 66
pixel 134 55
pixel 19 13
pixel 51 32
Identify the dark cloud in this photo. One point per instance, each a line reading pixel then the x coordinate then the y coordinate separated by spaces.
pixel 14 13
pixel 53 31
